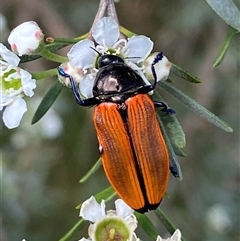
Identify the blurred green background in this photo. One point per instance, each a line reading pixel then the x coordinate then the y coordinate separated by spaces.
pixel 41 164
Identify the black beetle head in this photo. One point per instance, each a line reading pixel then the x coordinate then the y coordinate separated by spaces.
pixel 108 59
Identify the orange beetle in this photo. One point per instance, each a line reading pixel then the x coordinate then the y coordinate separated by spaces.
pixel 134 153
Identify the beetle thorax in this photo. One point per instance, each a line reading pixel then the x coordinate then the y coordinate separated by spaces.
pixel 110 84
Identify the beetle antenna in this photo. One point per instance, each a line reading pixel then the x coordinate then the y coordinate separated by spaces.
pixel 131 58
pixel 158 58
pixel 96 51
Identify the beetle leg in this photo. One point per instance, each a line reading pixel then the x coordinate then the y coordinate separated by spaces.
pixel 164 107
pixel 74 88
pixel 85 102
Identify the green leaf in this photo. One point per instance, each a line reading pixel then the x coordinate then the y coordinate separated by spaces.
pixel 73 230
pixel 166 221
pixel 194 106
pixel 47 102
pixel 224 47
pixel 174 164
pixel 184 74
pixel 107 194
pixel 177 134
pixel 178 151
pixel 164 119
pixel 94 168
pixel 172 124
pixel 146 225
pixel 227 10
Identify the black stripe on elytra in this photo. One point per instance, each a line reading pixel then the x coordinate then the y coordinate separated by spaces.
pixel 122 108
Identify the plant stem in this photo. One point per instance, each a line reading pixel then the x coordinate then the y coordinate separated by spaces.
pixel 44 74
pixel 126 32
pixel 52 56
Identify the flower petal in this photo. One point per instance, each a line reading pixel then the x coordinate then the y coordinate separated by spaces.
pixel 138 46
pixel 86 86
pixel 91 210
pixel 176 235
pixel 9 56
pixel 84 239
pixel 25 38
pixel 76 74
pixel 140 72
pixel 159 238
pixel 106 31
pixel 135 238
pixel 28 84
pixel 13 113
pixel 122 209
pixel 81 55
pixel 6 99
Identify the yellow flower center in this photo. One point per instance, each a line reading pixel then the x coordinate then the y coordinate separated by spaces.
pixel 112 229
pixel 10 84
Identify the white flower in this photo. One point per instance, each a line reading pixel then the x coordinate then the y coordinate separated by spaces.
pixel 106 34
pixel 175 237
pixel 14 84
pixel 25 38
pixel 108 225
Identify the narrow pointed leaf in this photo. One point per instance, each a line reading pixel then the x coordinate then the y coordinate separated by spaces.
pixel 47 102
pixel 169 80
pixel 224 47
pixel 178 151
pixel 73 230
pixel 174 164
pixel 146 225
pixel 166 221
pixel 177 134
pixel 94 168
pixel 196 107
pixel 172 124
pixel 227 10
pixel 184 74
pixel 107 194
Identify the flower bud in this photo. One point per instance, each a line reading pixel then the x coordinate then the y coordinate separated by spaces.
pixel 26 38
pixel 162 67
pixel 76 74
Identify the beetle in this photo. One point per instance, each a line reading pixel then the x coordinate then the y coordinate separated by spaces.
pixel 133 150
